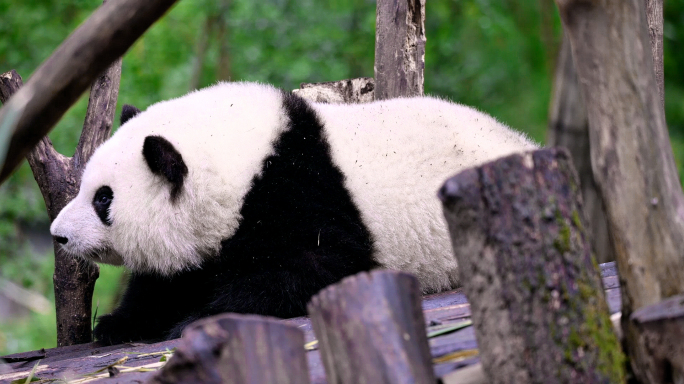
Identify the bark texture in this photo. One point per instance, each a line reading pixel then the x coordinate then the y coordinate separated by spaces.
pixel 399 48
pixel 654 15
pixel 569 128
pixel 59 178
pixel 370 329
pixel 631 154
pixel 238 349
pixel 535 291
pixel 359 90
pixel 61 79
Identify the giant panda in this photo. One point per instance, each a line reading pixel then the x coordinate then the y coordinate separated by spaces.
pixel 245 198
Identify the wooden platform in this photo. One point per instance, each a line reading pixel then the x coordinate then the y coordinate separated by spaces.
pixel 93 362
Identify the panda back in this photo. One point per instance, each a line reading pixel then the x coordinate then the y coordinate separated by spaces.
pixel 395 154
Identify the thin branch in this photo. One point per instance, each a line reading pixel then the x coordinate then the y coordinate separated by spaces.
pixel 100 114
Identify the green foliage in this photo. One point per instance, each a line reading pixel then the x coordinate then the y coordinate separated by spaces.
pixel 495 55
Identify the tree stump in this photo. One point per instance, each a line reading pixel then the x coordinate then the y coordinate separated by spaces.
pixel 370 329
pixel 239 349
pixel 535 291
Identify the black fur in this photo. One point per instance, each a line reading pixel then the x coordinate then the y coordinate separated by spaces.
pixel 101 202
pixel 164 160
pixel 300 232
pixel 128 112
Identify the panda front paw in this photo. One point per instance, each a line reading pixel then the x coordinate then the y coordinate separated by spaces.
pixel 112 329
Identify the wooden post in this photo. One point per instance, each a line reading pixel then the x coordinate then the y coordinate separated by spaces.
pixel 370 329
pixel 569 128
pixel 61 79
pixel 59 178
pixel 399 48
pixel 631 153
pixel 534 289
pixel 238 349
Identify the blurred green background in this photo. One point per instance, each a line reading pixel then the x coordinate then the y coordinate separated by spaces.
pixel 496 55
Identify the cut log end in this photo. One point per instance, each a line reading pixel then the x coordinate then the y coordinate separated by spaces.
pixel 534 287
pixel 371 329
pixel 232 348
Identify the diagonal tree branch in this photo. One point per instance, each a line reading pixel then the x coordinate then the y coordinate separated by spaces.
pixel 61 79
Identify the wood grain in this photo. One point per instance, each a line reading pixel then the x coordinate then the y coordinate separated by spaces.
pixel 399 48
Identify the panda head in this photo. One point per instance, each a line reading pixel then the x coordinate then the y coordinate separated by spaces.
pixel 137 204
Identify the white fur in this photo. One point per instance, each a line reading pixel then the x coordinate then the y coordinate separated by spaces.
pixel 395 155
pixel 396 164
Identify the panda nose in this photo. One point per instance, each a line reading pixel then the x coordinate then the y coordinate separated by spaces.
pixel 61 240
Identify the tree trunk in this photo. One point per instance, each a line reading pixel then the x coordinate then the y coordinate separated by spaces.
pixel 631 154
pixel 370 329
pixel 399 48
pixel 569 128
pixel 59 178
pixel 535 292
pixel 238 349
pixel 61 79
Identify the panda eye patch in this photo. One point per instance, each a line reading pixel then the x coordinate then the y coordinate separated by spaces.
pixel 103 198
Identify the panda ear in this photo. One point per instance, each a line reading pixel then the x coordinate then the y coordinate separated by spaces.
pixel 164 160
pixel 128 112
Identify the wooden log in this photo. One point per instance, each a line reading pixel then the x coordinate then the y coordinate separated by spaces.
pixel 569 128
pixel 399 48
pixel 661 332
pixel 358 90
pixel 631 153
pixel 61 79
pixel 239 349
pixel 535 291
pixel 59 178
pixel 370 329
